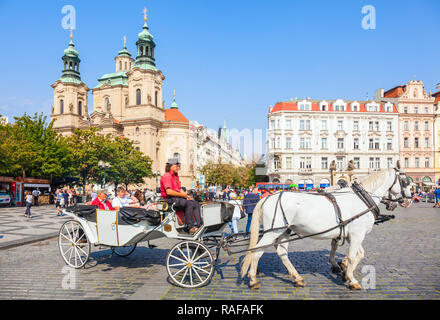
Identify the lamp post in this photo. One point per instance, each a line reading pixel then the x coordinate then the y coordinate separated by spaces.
pixel 104 165
pixel 156 174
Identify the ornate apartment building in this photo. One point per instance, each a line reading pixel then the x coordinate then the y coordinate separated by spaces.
pixel 416 130
pixel 317 142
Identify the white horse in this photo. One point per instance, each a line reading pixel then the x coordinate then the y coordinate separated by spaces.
pixel 308 214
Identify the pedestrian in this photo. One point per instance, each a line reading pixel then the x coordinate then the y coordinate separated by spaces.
pixel 249 202
pixel 66 198
pixel 36 193
pixel 70 197
pixel 236 215
pixel 28 199
pixel 437 197
pixel 59 201
pixel 93 195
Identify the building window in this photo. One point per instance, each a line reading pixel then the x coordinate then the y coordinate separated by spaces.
pixel 288 124
pixel 323 107
pixel 416 109
pixel 272 124
pixel 370 125
pixel 356 143
pixel 405 126
pixel 371 163
pixel 137 130
pixel 426 162
pixel 405 109
pixel 324 163
pixel 138 97
pixel 355 108
pixel 405 142
pixel 389 144
pixel 339 162
pixel 357 163
pixel 289 163
pixel 376 144
pixel 416 162
pixel 389 126
pixel 389 162
pixel 426 142
pixel 80 108
pixel 288 143
pixel 323 143
pixel 304 124
pixel 155 98
pixel 377 163
pixel 324 124
pixel 416 142
pixel 340 143
pixel 276 163
pixel 107 104
pixel 305 143
pixel 273 143
pixel 426 126
pixel 416 125
pixel 61 106
pixel 426 109
pixel 370 144
pixel 277 142
pixel 120 65
pixel 376 125
pixel 356 125
pixel 340 126
pixel 406 163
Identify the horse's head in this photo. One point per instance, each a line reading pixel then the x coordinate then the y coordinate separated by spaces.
pixel 399 191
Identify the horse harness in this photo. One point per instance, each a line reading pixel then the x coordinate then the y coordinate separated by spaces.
pixel 403 182
pixel 357 189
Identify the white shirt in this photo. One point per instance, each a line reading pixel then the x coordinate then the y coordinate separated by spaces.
pixel 237 212
pixel 36 193
pixel 118 202
pixel 29 198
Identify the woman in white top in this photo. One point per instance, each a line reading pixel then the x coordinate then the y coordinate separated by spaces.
pixel 237 214
pixel 28 199
pixel 123 199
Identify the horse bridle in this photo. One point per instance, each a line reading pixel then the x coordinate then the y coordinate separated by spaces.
pixel 402 184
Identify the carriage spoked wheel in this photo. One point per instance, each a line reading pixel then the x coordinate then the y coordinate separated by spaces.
pixel 190 264
pixel 124 251
pixel 73 244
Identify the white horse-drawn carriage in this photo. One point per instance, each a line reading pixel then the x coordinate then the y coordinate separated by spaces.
pixel 190 263
pixel 346 214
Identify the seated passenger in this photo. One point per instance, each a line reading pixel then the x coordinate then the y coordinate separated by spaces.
pixel 101 200
pixel 171 191
pixel 123 199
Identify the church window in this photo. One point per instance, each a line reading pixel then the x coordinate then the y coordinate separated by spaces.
pixel 138 96
pixel 125 65
pixel 141 50
pixel 147 49
pixel 155 98
pixel 61 106
pixel 107 104
pixel 70 65
pixel 120 65
pixel 152 52
pixel 80 108
pixel 126 101
pixel 137 130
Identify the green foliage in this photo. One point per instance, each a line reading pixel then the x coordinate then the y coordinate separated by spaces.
pixel 228 175
pixel 31 147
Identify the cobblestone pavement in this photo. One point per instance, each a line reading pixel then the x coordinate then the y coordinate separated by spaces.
pixel 404 253
pixel 15 229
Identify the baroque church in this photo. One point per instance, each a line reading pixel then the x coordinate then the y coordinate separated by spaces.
pixel 128 103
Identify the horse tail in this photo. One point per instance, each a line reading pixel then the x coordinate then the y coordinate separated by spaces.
pixel 255 230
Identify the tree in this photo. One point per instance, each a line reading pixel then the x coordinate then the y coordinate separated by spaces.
pixel 227 175
pixel 128 165
pixel 30 147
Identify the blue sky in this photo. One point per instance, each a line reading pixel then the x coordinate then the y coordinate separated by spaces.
pixel 227 60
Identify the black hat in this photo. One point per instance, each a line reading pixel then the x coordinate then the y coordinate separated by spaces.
pixel 173 161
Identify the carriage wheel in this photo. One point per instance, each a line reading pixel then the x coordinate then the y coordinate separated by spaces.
pixel 124 251
pixel 190 264
pixel 73 244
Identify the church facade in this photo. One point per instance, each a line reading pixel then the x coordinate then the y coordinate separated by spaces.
pixel 129 103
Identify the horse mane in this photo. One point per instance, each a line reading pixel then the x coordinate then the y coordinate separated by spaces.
pixel 372 182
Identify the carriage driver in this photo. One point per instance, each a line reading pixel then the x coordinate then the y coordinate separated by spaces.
pixel 171 191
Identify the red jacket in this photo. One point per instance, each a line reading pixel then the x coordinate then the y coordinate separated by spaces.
pixel 101 206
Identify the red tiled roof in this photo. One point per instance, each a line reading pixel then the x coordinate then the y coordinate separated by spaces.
pixel 437 97
pixel 292 106
pixel 395 92
pixel 174 115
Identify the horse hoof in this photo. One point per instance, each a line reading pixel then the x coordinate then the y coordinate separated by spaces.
pixel 300 283
pixel 255 286
pixel 355 286
pixel 343 277
pixel 336 269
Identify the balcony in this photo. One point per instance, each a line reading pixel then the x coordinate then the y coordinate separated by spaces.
pixel 305 171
